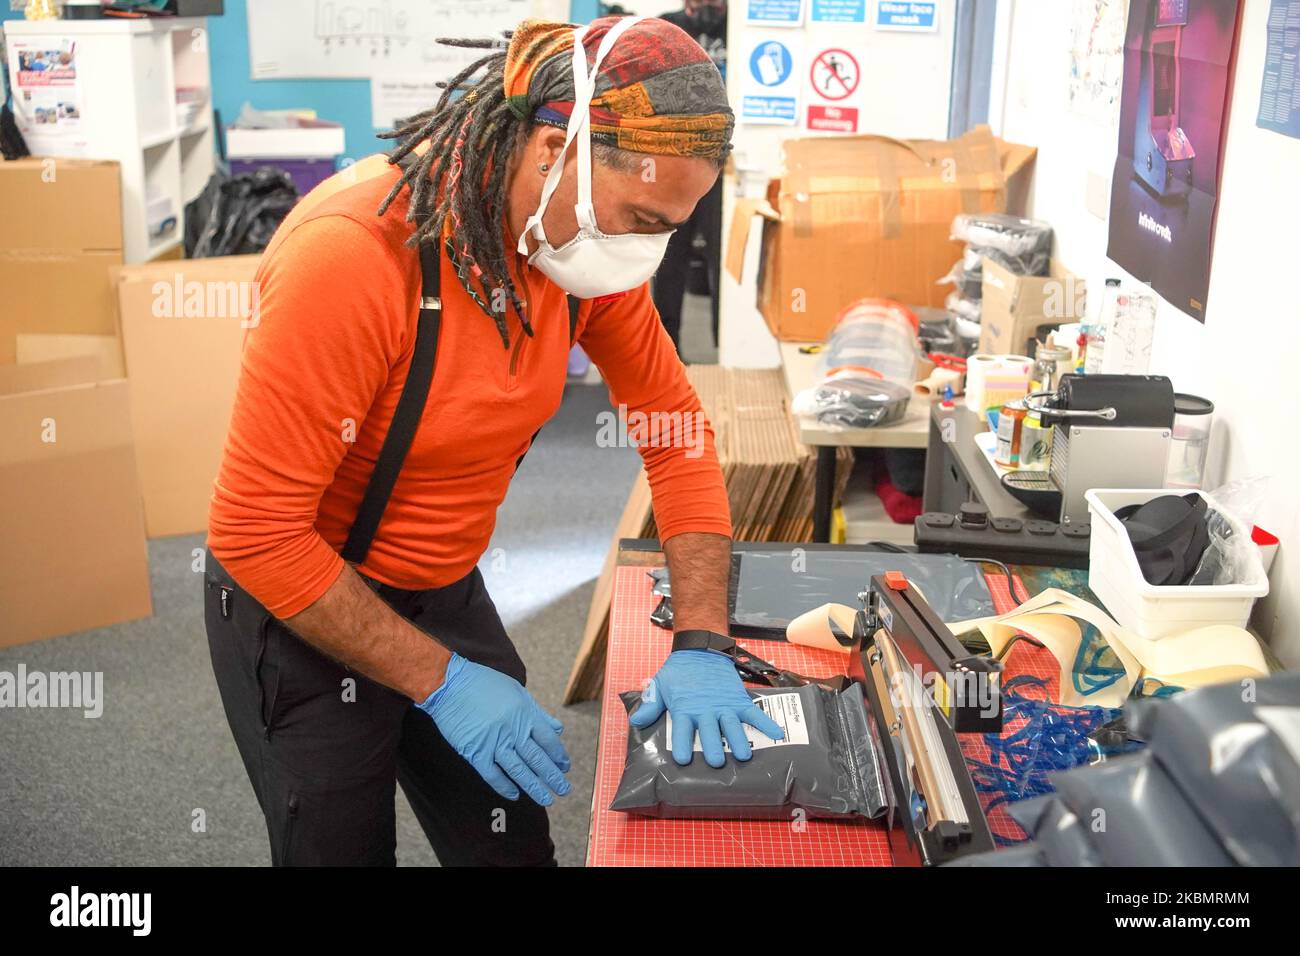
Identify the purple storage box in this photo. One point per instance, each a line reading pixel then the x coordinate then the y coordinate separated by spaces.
pixel 306 174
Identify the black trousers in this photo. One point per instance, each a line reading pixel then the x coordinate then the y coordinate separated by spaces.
pixel 324 746
pixel 670 280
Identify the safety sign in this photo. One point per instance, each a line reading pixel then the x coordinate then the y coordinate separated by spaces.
pixel 833 119
pixel 907 17
pixel 839 11
pixel 770 87
pixel 835 74
pixel 774 13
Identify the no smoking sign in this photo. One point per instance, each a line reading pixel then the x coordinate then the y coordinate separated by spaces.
pixel 835 74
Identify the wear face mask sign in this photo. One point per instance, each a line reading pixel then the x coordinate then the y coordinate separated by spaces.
pixel 591 264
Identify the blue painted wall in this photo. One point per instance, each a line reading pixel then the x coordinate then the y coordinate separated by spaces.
pixel 342 101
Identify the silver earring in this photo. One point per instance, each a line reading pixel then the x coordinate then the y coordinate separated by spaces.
pixel 543 166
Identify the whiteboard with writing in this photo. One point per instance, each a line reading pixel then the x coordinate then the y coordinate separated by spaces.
pixel 365 38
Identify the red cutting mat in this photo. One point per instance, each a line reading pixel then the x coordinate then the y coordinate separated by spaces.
pixel 636 649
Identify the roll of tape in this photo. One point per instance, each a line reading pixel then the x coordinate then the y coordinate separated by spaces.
pixel 994 380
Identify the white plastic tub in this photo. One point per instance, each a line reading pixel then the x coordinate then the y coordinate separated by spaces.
pixel 1146 609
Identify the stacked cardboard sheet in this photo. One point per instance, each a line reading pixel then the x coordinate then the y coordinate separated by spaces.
pixel 769 475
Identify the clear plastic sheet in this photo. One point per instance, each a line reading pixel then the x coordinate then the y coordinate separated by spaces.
pixel 771 588
pixel 1232 557
pixel 833 774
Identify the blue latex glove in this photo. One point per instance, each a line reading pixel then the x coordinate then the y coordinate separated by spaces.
pixel 496 725
pixel 702 692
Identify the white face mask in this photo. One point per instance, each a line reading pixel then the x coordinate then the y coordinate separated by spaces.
pixel 591 264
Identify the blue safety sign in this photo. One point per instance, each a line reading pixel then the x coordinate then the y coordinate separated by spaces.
pixel 839 11
pixel 770 93
pixel 908 17
pixel 771 63
pixel 775 13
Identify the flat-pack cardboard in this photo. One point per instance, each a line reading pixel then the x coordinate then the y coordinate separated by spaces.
pixel 856 216
pixel 74 554
pixel 60 237
pixel 1014 307
pixel 183 326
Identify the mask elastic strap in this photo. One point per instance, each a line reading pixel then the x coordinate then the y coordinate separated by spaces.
pixel 579 121
pixel 585 210
pixel 534 223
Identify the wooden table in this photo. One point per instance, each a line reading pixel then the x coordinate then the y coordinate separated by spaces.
pixel 912 432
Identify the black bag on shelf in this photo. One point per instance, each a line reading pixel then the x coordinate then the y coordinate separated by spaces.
pixel 238 215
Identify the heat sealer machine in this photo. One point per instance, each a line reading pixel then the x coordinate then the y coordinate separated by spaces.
pixel 923 688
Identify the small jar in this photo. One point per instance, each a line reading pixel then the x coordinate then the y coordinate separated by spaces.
pixel 1050 363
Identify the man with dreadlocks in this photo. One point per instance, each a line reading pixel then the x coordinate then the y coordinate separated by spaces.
pixel 352 639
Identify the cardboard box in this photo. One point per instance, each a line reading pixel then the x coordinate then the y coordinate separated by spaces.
pixel 856 216
pixel 183 326
pixel 60 236
pixel 74 554
pixel 104 350
pixel 1015 307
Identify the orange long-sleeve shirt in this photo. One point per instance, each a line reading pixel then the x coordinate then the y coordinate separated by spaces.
pixel 322 371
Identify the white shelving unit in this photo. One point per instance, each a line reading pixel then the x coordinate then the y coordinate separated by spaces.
pixel 129 73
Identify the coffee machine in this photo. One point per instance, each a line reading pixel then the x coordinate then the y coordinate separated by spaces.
pixel 1108 431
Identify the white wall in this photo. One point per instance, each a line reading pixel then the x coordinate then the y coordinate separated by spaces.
pixel 1246 357
pixel 907 76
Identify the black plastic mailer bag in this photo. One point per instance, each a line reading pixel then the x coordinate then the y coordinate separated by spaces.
pixel 825 768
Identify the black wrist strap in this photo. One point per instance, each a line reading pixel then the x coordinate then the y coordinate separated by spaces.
pixel 699 640
pixel 751 667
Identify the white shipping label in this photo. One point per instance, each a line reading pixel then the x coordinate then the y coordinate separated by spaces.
pixel 785 709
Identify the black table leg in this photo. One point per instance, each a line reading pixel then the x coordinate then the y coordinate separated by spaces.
pixel 823 494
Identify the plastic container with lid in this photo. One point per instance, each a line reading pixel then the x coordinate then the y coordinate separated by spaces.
pixel 1189 445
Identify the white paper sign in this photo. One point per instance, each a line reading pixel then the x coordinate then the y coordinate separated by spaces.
pixel 394 98
pixel 46 84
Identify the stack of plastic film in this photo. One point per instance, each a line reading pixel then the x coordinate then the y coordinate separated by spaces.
pixel 1044 737
pixel 1022 246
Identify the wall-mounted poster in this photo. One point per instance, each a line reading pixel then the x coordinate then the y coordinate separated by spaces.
pixel 1097 59
pixel 47 95
pixel 1177 57
pixel 1279 96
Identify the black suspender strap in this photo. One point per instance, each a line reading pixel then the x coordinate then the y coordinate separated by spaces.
pixel 410 406
pixel 407 415
pixel 574 305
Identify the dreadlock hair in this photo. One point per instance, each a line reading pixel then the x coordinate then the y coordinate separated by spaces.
pixel 472 139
